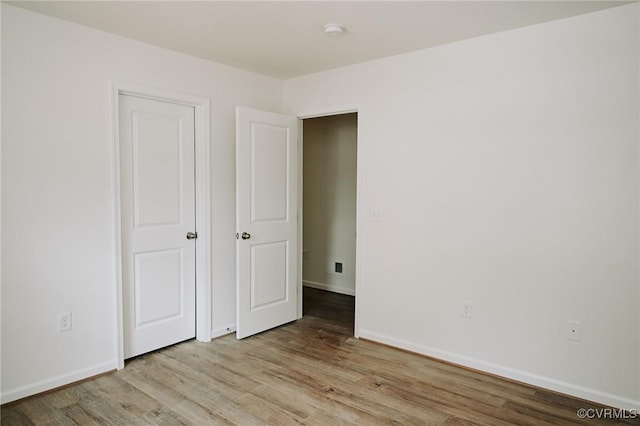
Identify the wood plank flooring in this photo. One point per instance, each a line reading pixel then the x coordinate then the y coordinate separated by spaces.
pixel 309 372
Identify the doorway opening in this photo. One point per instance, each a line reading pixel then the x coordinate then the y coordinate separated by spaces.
pixel 329 167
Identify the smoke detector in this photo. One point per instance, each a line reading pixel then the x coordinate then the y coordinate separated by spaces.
pixel 333 30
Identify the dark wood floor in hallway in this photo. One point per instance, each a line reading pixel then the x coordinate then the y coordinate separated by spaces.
pixel 310 372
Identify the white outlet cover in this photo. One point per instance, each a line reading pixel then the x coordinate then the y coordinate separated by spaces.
pixel 466 309
pixel 574 330
pixel 64 321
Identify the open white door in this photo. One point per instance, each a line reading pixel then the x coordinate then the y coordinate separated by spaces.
pixel 266 221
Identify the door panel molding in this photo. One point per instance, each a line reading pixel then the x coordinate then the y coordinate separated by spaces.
pixel 201 107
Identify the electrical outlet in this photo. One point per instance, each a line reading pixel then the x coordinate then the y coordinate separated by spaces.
pixel 574 330
pixel 64 321
pixel 467 310
pixel 336 267
pixel 305 254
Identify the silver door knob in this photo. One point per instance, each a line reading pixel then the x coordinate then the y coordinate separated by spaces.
pixel 246 235
pixel 192 235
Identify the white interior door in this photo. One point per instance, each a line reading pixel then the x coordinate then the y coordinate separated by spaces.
pixel 267 210
pixel 158 211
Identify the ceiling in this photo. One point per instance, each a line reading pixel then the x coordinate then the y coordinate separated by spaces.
pixel 284 39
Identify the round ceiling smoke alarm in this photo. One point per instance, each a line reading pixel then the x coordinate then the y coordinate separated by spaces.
pixel 333 30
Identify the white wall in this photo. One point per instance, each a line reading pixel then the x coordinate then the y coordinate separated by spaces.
pixel 505 171
pixel 58 233
pixel 329 196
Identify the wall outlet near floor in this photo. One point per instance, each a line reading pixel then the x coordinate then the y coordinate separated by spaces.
pixel 336 267
pixel 574 330
pixel 466 309
pixel 305 254
pixel 64 321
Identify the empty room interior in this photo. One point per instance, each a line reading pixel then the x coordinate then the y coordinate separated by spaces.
pixel 320 212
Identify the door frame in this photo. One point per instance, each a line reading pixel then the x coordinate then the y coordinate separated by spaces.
pixel 325 112
pixel 201 106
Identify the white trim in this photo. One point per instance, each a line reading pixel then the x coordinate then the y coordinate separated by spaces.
pixel 202 109
pixel 223 331
pixel 115 109
pixel 510 373
pixel 329 287
pixel 325 112
pixel 637 235
pixel 203 220
pixel 328 111
pixel 57 381
pixel 359 220
pixel 300 216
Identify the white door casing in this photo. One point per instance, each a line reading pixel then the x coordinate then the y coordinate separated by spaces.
pixel 266 221
pixel 158 210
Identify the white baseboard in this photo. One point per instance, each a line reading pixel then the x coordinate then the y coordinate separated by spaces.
pixel 330 287
pixel 223 331
pixel 55 382
pixel 510 373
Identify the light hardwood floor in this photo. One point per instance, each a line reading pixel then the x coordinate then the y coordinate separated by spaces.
pixel 311 372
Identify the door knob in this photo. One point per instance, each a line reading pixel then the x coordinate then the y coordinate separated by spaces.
pixel 192 235
pixel 246 235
